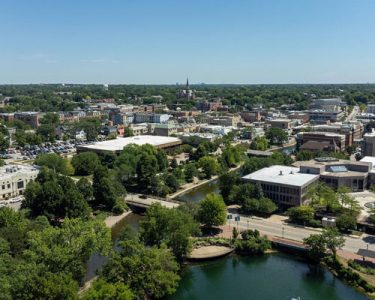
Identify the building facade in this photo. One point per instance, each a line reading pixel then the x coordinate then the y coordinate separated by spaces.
pixel 14 178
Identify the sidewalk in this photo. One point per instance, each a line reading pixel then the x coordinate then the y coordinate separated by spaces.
pixel 227 233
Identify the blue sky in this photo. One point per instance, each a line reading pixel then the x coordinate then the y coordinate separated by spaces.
pixel 164 41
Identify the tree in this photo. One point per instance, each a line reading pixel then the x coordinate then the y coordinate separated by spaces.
pixel 259 143
pixel 190 172
pixel 333 239
pixel 172 183
pixel 266 206
pixel 85 163
pixel 212 211
pixel 54 196
pixel 209 166
pixel 346 222
pixel 4 142
pixel 226 183
pixel 128 132
pixel 301 215
pixel 150 272
pixel 68 249
pixel 86 189
pixel 173 163
pixel 53 162
pixel 276 136
pixel 102 290
pixel 318 244
pixel 105 192
pixel 262 206
pixel 172 227
pixel 240 193
pixel 200 152
pixel 316 247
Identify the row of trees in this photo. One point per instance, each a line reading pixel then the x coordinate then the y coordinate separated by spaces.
pixel 324 200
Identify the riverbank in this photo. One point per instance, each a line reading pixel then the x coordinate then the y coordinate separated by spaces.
pixel 193 185
pixel 111 221
pixel 209 252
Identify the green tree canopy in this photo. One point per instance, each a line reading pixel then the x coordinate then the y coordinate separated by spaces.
pixel 150 272
pixel 212 211
pixel 85 163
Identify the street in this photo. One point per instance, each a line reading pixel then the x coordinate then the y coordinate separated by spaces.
pixel 298 233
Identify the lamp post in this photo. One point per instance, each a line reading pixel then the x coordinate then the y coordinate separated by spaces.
pixel 282 232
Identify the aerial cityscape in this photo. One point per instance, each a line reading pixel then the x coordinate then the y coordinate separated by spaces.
pixel 187 150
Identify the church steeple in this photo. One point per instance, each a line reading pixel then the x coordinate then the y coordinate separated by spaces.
pixel 187 83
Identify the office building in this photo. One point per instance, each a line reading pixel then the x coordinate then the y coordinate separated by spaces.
pixel 286 186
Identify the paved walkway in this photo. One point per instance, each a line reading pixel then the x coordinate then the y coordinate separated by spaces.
pixel 191 186
pixel 207 252
pixel 113 220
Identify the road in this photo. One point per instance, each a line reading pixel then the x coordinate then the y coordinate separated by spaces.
pixel 298 233
pixel 353 114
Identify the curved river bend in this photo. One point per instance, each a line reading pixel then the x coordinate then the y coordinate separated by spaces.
pixel 274 276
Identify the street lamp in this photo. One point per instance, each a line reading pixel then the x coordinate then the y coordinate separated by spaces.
pixel 282 232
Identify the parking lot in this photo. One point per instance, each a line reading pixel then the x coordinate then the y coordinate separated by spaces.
pixel 31 152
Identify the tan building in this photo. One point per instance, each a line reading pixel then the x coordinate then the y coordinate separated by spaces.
pixel 332 142
pixel 280 123
pixel 230 120
pixel 338 173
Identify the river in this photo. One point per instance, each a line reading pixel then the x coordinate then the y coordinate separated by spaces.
pixel 198 194
pixel 274 276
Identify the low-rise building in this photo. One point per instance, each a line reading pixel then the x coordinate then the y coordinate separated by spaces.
pixel 338 173
pixel 368 144
pixel 117 145
pixel 166 129
pixel 332 142
pixel 29 117
pixel 280 123
pixel 321 116
pixel 284 185
pixel 14 178
pixel 150 118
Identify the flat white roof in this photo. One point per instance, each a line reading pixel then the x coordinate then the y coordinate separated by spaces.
pixel 119 143
pixel 370 159
pixel 10 170
pixel 290 176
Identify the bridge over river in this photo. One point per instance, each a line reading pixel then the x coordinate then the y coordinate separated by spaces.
pixel 138 201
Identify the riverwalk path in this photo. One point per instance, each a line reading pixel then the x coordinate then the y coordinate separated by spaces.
pixel 193 185
pixel 278 229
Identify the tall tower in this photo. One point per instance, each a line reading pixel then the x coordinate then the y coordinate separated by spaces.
pixel 187 83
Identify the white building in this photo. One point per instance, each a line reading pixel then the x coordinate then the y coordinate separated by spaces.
pixel 14 178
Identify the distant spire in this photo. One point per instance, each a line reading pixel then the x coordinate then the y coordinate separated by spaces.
pixel 187 83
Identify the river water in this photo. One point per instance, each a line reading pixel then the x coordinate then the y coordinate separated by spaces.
pixel 198 194
pixel 274 276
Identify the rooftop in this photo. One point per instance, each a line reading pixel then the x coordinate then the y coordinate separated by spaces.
pixel 282 175
pixel 119 143
pixel 8 171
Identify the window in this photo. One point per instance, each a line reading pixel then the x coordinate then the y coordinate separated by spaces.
pixel 20 184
